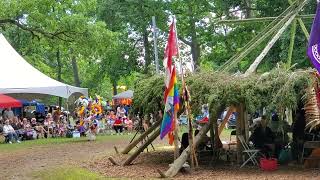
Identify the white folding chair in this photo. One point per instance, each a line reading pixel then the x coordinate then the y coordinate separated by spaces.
pixel 252 153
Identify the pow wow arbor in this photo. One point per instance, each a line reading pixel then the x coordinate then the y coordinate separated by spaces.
pixel 278 89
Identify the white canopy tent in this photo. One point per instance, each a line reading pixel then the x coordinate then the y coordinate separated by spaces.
pixel 17 76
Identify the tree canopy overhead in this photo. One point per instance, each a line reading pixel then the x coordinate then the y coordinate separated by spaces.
pixel 101 44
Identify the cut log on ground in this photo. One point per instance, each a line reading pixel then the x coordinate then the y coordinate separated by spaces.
pixel 141 137
pixel 142 147
pixel 116 149
pixel 113 161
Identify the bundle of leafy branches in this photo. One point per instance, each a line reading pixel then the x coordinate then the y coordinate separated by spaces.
pixel 276 89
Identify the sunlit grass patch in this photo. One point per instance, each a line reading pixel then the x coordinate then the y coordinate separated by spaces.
pixel 69 173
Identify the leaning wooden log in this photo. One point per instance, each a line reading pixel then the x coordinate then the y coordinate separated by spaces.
pixel 253 43
pixel 231 109
pixel 303 27
pixel 142 147
pixel 177 164
pixel 141 137
pixel 257 61
pixel 113 161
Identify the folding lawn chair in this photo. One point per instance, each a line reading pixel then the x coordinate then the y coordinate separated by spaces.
pixel 252 153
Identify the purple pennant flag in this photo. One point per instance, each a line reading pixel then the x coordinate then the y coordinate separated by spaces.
pixel 314 42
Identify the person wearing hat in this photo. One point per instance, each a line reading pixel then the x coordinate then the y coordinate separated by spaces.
pixel 9 132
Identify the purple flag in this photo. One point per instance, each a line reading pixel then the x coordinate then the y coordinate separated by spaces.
pixel 314 42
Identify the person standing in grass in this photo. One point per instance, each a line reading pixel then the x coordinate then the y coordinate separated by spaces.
pixel 9 132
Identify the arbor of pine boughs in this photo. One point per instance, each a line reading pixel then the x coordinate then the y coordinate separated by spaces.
pixel 277 89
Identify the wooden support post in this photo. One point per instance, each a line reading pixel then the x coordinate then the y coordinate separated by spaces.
pixel 246 124
pixel 142 147
pixel 291 45
pixel 177 164
pixel 258 60
pixel 141 137
pixel 239 130
pixel 231 109
pixel 212 128
pixel 176 137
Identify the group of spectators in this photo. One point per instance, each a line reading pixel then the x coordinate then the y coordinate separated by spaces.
pixel 31 126
pixel 58 124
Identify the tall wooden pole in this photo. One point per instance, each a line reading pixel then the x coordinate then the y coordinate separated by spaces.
pixel 187 107
pixel 258 60
pixel 303 27
pixel 176 132
pixel 291 45
pixel 260 37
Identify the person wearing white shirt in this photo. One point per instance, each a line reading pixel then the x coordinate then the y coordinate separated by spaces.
pixel 10 132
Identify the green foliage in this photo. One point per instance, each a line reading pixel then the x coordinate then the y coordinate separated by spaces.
pixel 273 90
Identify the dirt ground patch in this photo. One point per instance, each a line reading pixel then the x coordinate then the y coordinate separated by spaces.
pixel 145 166
pixel 20 164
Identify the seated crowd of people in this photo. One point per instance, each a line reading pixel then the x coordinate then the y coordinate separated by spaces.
pixel 58 124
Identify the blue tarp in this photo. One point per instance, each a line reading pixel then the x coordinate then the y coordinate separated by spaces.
pixel 40 108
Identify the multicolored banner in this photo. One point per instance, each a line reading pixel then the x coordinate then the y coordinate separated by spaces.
pixel 171 94
pixel 314 42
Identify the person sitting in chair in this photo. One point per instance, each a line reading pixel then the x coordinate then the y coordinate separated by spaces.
pixel 262 137
pixel 9 132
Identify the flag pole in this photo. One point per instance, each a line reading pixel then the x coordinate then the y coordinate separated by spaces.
pixel 193 156
pixel 176 129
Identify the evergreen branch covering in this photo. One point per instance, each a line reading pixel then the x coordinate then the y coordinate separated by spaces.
pixel 276 89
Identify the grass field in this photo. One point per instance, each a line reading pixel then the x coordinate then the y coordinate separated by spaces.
pixel 53 141
pixel 70 173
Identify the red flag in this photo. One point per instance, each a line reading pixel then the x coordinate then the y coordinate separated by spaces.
pixel 170 51
pixel 172 48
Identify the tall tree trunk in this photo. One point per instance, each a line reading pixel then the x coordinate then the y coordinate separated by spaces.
pixel 75 69
pixel 248 9
pixel 146 45
pixel 115 84
pixel 195 46
pixel 59 73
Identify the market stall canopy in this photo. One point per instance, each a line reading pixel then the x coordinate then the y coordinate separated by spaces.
pixel 7 101
pixel 18 76
pixel 124 95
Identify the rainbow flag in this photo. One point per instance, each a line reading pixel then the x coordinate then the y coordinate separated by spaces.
pixel 171 94
pixel 171 106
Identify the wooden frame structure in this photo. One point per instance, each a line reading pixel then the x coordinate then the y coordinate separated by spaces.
pixel 274 30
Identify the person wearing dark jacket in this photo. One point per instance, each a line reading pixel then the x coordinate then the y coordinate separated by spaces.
pixel 263 138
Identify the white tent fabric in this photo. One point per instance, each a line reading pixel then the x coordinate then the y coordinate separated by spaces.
pixel 124 95
pixel 18 76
